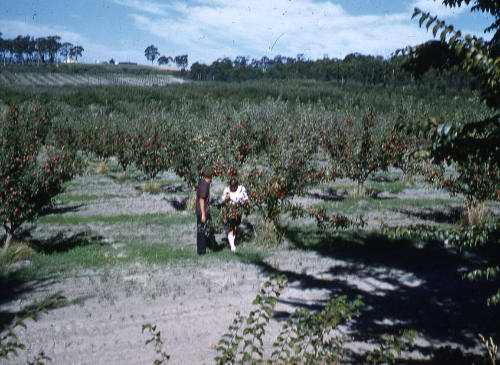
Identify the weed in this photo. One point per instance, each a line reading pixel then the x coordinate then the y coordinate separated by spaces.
pixel 17 251
pixel 10 343
pixel 244 339
pixel 475 211
pixel 491 348
pixel 267 234
pixel 392 345
pixel 151 187
pixel 102 168
pixel 158 343
pixel 310 338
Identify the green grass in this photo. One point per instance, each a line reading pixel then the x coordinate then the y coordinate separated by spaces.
pixel 66 197
pixel 96 255
pixel 393 187
pixel 58 263
pixel 146 219
pixel 353 206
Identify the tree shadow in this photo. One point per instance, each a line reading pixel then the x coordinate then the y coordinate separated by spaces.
pixel 14 287
pixel 62 241
pixel 404 285
pixel 452 215
pixel 54 209
pixel 331 194
pixel 15 283
pixel 178 204
pixel 175 188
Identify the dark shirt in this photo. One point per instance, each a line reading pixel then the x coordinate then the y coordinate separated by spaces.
pixel 203 192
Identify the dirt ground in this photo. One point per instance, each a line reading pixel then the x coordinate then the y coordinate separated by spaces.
pixel 193 301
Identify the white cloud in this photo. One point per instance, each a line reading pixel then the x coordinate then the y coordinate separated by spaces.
pixel 144 6
pixel 436 8
pixel 210 29
pixel 268 28
pixel 13 28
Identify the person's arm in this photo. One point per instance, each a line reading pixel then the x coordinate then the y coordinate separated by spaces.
pixel 202 208
pixel 225 196
pixel 244 196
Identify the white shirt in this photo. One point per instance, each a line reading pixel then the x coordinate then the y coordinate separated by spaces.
pixel 238 196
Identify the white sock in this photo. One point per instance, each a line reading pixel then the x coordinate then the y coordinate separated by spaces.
pixel 230 238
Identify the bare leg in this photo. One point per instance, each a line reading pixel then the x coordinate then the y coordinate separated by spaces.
pixel 230 238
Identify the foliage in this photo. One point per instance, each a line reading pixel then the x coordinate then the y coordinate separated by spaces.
pixel 9 341
pixel 306 338
pixel 146 147
pixel 151 53
pixel 354 68
pixel 470 146
pixel 28 180
pixel 244 340
pixel 394 344
pixel 310 338
pixel 355 150
pixel 158 343
pixel 335 221
pixel 402 145
pixel 491 348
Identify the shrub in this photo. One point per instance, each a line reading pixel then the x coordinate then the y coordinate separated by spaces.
pixel 28 180
pixel 355 149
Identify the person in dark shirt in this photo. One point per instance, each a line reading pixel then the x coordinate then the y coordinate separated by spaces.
pixel 205 230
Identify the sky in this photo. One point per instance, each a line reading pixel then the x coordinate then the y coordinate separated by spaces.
pixel 207 30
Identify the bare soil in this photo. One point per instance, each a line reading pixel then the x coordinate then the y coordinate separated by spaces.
pixel 193 301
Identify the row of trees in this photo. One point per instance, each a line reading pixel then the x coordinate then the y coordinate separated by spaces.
pixel 151 52
pixel 354 67
pixel 28 49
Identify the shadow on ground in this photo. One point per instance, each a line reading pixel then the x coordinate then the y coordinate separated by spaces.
pixel 61 242
pixel 403 286
pixel 452 215
pixel 14 283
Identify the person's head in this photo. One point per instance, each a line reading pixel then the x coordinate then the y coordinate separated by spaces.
pixel 208 173
pixel 233 183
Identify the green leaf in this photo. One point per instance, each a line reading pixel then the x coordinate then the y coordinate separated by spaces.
pixel 416 11
pixel 435 29
pixel 422 18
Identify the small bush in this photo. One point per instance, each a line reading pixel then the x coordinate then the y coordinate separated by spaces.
pixel 16 252
pixel 102 168
pixel 151 187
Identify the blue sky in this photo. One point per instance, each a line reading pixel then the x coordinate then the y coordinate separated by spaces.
pixel 210 29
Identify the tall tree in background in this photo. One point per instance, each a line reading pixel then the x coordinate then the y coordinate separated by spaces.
pixel 53 46
pixel 165 60
pixel 181 61
pixel 65 49
pixel 151 53
pixel 76 51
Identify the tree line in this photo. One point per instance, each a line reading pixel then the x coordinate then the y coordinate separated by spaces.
pixel 365 69
pixel 41 50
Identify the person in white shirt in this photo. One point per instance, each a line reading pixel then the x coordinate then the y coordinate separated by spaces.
pixel 235 194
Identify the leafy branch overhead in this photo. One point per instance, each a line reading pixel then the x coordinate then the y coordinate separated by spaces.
pixel 476 54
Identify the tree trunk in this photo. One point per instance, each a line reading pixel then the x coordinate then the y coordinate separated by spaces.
pixel 7 241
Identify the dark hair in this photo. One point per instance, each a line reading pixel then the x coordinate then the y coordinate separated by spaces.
pixel 233 181
pixel 208 172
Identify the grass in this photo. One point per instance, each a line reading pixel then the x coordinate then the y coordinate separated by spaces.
pixel 353 206
pixel 96 255
pixel 17 251
pixel 166 220
pixel 75 197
